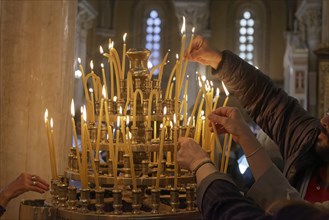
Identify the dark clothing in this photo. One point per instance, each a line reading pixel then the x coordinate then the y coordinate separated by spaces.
pixel 228 203
pixel 279 115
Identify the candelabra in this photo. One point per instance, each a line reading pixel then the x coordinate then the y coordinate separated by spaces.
pixel 138 177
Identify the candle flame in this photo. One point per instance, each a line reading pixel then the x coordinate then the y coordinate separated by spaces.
pixel 183 26
pixel 110 42
pixel 186 97
pixel 46 115
pixel 177 57
pixel 79 60
pixel 118 121
pixel 225 89
pixel 161 125
pixel 101 49
pixel 81 110
pixel 51 123
pixel 102 65
pixel 193 29
pixel 114 98
pixel 174 79
pixel 91 65
pixel 84 113
pixel 165 110
pixel 127 120
pixel 187 76
pixel 200 84
pixel 203 78
pixel 91 90
pixel 171 124
pixel 217 92
pixel 175 118
pixel 129 135
pixel 202 112
pixel 120 110
pixel 72 108
pixel 211 84
pixel 103 91
pixel 124 38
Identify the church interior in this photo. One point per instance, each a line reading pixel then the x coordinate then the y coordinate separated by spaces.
pixel 47 48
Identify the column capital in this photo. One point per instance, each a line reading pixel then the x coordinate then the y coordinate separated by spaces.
pixel 196 13
pixel 86 15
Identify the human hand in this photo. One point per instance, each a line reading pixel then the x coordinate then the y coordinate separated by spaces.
pixel 202 53
pixel 23 183
pixel 229 120
pixel 190 154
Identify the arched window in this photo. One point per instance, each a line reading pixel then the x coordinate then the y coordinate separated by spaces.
pixel 248 31
pixel 153 38
pixel 246 38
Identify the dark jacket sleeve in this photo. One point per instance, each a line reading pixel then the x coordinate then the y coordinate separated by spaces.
pixel 219 198
pixel 278 114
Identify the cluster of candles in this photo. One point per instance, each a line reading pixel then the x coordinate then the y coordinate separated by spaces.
pixel 207 98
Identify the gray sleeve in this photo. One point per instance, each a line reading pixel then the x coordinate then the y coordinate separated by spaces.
pixel 202 187
pixel 270 187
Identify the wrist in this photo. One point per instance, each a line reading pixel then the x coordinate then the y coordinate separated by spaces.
pixel 4 199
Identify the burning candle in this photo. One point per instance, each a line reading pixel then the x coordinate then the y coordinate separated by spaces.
pixel 131 159
pixel 84 162
pixel 53 155
pixel 226 155
pixel 175 154
pixel 157 183
pixel 75 137
pixel 193 112
pixel 181 54
pixel 53 175
pixel 123 56
pixel 92 158
pixel 100 120
pixel 188 51
pixel 216 99
pixel 171 76
pixel 164 62
pixel 104 81
pixel 116 65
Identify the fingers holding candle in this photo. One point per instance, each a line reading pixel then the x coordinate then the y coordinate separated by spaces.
pixel 229 120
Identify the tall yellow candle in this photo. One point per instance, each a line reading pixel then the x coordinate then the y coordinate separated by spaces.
pixel 181 55
pixel 131 159
pixel 175 153
pixel 216 99
pixel 198 123
pixel 104 81
pixel 53 155
pixel 228 153
pixel 99 127
pixel 92 158
pixel 154 93
pixel 53 175
pixel 116 66
pixel 171 88
pixel 227 136
pixel 75 137
pixel 193 113
pixel 157 183
pixel 171 76
pixel 164 62
pixel 188 51
pixel 84 162
pixel 123 56
pixel 83 80
pixel 208 103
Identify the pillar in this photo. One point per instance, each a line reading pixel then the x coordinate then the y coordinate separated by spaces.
pixel 36 72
